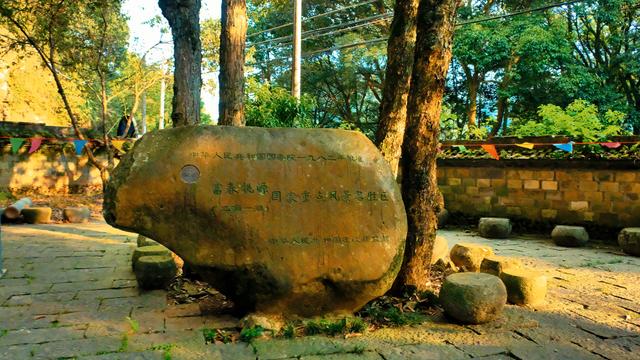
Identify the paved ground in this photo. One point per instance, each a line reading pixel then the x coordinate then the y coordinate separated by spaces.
pixel 70 293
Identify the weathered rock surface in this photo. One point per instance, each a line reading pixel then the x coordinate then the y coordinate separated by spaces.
pixel 494 228
pixel 76 214
pixel 495 265
pixel 155 272
pixel 629 241
pixel 473 298
pixel 524 287
pixel 37 215
pixel 440 249
pixel 570 236
pixel 469 256
pixel 294 221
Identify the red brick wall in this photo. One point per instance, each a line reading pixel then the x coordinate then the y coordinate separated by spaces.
pixel 560 195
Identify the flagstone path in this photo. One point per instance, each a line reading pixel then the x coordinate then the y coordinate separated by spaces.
pixel 70 293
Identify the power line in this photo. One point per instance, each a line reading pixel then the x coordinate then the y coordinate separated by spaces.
pixel 308 32
pixel 462 23
pixel 313 17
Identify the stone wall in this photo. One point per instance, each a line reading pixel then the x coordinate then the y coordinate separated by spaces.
pixel 555 192
pixel 52 169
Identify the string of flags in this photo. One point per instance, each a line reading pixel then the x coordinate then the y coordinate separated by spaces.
pixel 36 142
pixel 567 147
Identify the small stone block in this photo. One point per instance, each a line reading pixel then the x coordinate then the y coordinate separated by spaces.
pixel 145 241
pixel 473 298
pixel 440 249
pixel 76 214
pixel 494 228
pixel 629 241
pixel 157 250
pixel 524 287
pixel 37 215
pixel 155 272
pixel 469 256
pixel 495 265
pixel 570 236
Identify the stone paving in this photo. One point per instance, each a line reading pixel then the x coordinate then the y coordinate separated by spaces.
pixel 70 293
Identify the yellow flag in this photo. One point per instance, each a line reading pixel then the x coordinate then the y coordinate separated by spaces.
pixel 118 144
pixel 526 145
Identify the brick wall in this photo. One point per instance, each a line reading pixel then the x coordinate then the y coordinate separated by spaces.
pixel 52 169
pixel 556 193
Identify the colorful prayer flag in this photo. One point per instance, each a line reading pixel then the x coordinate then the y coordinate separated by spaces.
pixel 118 144
pixel 79 144
pixel 35 145
pixel 16 143
pixel 611 145
pixel 526 145
pixel 491 149
pixel 568 147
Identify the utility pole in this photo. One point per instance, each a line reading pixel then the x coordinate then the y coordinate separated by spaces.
pixel 297 48
pixel 143 100
pixel 163 86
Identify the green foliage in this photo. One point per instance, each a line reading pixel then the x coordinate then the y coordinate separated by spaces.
pixel 165 348
pixel 332 328
pixel 289 331
pixel 133 324
pixel 248 334
pixel 580 120
pixel 393 316
pixel 357 325
pixel 268 106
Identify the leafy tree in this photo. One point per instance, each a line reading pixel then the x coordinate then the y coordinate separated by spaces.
pixel 268 106
pixel 580 120
pixel 69 36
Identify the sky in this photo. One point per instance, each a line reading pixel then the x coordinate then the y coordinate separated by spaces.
pixel 143 36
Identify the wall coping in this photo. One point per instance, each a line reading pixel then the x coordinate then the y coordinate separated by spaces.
pixel 543 163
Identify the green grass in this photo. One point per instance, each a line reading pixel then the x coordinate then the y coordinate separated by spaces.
pixel 289 331
pixel 248 334
pixel 209 335
pixel 135 326
pixel 357 325
pixel 394 317
pixel 594 263
pixel 3 332
pixel 165 348
pixel 124 343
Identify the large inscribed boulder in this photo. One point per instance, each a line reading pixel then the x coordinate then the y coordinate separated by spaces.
pixel 294 221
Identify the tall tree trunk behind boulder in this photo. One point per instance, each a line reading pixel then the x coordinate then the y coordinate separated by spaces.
pixel 393 108
pixel 420 192
pixel 184 18
pixel 232 47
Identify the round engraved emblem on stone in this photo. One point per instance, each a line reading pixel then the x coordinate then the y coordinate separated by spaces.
pixel 190 174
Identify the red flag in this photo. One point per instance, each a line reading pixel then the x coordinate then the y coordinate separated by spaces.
pixel 611 145
pixel 491 149
pixel 35 145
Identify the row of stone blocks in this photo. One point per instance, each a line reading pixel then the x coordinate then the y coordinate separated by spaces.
pixel 42 215
pixel 479 293
pixel 562 235
pixel 153 264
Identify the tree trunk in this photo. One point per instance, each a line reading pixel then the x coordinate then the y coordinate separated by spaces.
pixel 232 46
pixel 420 192
pixel 503 99
pixel 472 109
pixel 393 108
pixel 184 18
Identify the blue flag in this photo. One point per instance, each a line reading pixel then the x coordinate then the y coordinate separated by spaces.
pixel 79 144
pixel 568 147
